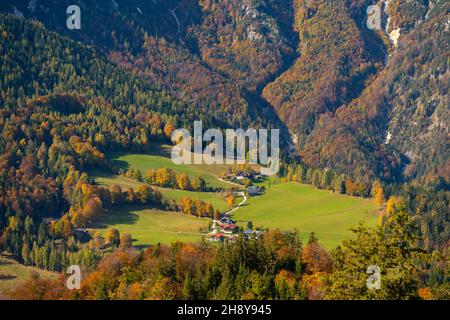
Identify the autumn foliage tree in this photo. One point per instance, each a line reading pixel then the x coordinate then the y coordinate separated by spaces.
pixel 126 241
pixel 230 199
pixel 378 193
pixel 112 236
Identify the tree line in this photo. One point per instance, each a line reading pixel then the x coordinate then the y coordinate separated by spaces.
pixel 274 266
pixel 168 178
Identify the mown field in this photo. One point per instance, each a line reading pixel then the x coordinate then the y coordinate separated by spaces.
pixel 295 206
pixel 150 226
pixel 12 274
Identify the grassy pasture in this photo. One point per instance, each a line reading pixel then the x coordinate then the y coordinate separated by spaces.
pixel 151 226
pixel 161 159
pixel 292 205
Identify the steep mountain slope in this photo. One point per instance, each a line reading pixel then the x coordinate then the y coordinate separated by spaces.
pixel 204 52
pixel 330 71
pixel 71 79
pixel 187 78
pixel 351 100
pixel 244 39
pixel 420 115
pixel 401 118
pixel 344 115
pixel 61 106
pixel 405 15
pixel 105 23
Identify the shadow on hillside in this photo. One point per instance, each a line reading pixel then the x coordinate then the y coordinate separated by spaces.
pixel 101 173
pixel 121 164
pixel 163 150
pixel 154 149
pixel 118 215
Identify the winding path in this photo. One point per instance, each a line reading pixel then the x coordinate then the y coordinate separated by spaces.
pixel 239 205
pixel 240 193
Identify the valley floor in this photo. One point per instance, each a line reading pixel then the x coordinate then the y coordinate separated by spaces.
pixel 284 206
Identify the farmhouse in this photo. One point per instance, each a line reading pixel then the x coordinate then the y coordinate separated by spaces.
pixel 253 191
pixel 249 233
pixel 226 220
pixel 244 175
pixel 216 237
pixel 223 228
pixel 230 229
pixel 240 176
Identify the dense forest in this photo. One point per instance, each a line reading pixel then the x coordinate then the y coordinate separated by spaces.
pixel 360 115
pixel 343 92
pixel 275 266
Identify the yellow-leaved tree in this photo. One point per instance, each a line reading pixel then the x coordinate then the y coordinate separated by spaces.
pixel 378 193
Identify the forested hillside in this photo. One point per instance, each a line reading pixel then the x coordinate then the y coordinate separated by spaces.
pixel 332 68
pixel 401 119
pixel 362 112
pixel 63 105
pixel 163 42
pixel 344 92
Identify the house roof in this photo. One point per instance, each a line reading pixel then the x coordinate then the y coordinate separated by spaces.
pixel 253 189
pixel 217 235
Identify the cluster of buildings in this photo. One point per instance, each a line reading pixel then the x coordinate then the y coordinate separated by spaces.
pixel 222 229
pixel 226 228
pixel 241 176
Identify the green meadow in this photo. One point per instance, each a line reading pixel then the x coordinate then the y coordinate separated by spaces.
pixel 292 205
pixel 151 226
pixel 144 162
pixel 284 206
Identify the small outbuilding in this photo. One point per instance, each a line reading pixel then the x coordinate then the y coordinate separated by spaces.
pixel 253 191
